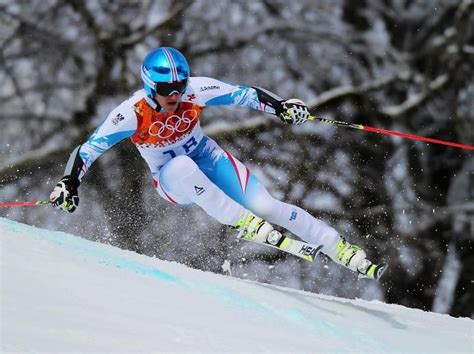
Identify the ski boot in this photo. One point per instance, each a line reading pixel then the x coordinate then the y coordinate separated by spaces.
pixel 253 228
pixel 354 258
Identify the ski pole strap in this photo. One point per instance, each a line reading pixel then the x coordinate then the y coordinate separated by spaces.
pixel 15 204
pixel 391 132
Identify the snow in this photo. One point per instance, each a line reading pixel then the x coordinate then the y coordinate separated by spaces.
pixel 62 293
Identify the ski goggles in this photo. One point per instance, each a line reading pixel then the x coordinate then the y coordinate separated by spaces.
pixel 168 89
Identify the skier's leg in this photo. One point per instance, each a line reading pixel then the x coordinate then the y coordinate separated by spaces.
pixel 182 182
pixel 291 217
pixel 230 175
pixel 236 180
pixel 310 229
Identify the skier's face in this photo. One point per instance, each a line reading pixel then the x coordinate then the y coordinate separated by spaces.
pixel 169 103
pixel 168 94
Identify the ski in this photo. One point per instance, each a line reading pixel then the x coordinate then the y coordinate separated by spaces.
pixel 289 245
pixel 309 252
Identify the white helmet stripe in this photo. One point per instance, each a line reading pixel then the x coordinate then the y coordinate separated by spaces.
pixel 147 79
pixel 174 71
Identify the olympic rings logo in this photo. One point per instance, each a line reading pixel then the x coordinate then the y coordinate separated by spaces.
pixel 173 124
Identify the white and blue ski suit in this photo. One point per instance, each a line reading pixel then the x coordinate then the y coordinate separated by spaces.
pixel 189 167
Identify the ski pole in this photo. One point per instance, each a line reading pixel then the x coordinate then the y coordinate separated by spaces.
pixel 34 203
pixel 390 132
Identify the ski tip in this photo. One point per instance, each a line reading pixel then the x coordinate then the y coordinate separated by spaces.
pixel 379 270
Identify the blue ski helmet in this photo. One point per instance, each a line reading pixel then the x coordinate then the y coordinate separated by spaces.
pixel 167 66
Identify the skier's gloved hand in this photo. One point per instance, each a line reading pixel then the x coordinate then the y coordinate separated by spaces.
pixel 64 196
pixel 294 111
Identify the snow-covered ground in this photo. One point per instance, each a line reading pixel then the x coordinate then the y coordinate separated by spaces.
pixel 61 293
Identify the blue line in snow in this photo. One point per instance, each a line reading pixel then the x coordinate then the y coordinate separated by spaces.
pixel 94 250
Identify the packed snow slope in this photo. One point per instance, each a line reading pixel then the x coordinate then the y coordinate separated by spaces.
pixel 61 293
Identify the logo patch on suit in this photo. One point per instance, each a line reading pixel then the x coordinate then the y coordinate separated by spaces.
pixel 293 215
pixel 199 190
pixel 118 118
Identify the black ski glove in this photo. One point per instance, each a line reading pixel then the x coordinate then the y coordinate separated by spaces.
pixel 64 196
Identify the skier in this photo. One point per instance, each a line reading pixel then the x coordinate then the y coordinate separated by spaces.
pixel 162 120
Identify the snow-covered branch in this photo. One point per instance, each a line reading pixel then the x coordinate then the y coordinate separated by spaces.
pixel 280 26
pixel 140 34
pixel 432 215
pixel 416 100
pixel 343 92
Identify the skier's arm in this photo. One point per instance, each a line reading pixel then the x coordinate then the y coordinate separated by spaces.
pixel 212 92
pixel 120 124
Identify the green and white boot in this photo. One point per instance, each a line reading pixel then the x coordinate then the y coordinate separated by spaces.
pixel 354 258
pixel 253 228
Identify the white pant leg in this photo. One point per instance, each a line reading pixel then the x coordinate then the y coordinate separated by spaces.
pixel 292 218
pixel 181 181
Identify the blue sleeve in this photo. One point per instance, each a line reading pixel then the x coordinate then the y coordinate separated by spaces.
pixel 120 124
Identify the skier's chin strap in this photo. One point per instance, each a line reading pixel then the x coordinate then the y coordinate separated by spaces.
pixel 153 103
